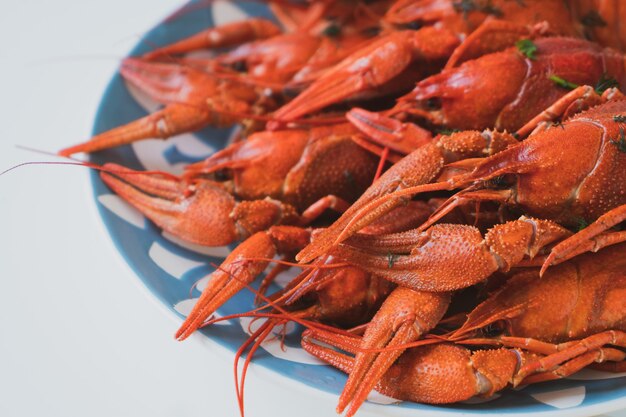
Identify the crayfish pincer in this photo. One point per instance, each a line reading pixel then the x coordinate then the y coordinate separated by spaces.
pixel 341 295
pixel 447 35
pixel 288 177
pixel 552 327
pixel 426 258
pixel 563 174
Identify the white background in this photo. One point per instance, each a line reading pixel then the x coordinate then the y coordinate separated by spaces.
pixel 79 335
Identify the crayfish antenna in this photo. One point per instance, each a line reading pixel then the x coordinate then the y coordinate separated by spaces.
pixel 23 164
pixel 256 339
pixel 278 316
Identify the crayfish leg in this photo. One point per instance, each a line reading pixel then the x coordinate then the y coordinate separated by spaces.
pixel 583 353
pixel 491 36
pixel 590 238
pixel 577 100
pixel 600 356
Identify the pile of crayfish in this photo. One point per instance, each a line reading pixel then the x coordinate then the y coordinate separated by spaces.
pixel 448 175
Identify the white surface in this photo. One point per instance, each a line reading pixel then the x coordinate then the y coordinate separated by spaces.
pixel 79 334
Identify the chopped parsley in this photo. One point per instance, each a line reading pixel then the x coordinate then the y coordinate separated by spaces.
pixel 446 131
pixel 527 48
pixel 561 82
pixel 581 223
pixel 621 141
pixel 605 82
pixel 391 259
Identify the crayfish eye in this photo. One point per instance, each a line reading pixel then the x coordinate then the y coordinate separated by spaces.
pixel 433 103
pixel 240 66
pixel 493 329
pixel 413 26
pixel 501 181
pixel 221 175
pixel 371 31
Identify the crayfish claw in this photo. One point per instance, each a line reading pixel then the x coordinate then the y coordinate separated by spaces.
pixel 404 317
pixel 172 120
pixel 193 99
pixel 196 213
pixel 239 269
pixel 231 277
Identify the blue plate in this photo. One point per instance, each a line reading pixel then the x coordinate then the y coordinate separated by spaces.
pixel 173 273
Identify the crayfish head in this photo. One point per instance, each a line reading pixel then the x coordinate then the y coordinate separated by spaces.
pixel 458 96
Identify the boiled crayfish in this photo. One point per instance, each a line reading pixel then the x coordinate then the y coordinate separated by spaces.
pixel 545 326
pixel 445 257
pixel 352 65
pixel 529 176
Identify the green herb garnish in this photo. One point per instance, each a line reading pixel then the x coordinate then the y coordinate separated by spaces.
pixel 527 48
pixel 391 259
pixel 447 132
pixel 621 141
pixel 581 223
pixel 605 82
pixel 561 82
